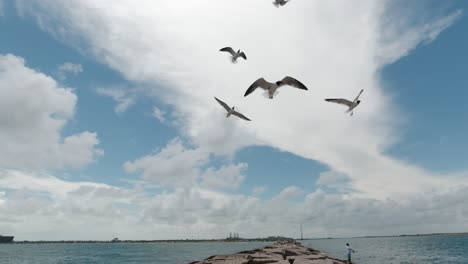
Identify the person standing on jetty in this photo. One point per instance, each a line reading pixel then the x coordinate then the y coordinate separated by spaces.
pixel 349 251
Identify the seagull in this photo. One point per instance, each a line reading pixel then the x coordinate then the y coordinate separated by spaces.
pixel 279 3
pixel 231 111
pixel 272 87
pixel 349 104
pixel 234 54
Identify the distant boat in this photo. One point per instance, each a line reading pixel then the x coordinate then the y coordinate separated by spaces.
pixel 6 239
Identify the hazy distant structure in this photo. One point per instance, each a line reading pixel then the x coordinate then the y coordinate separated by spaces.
pixel 301 233
pixel 233 236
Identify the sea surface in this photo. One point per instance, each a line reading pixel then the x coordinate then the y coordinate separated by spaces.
pixel 118 253
pixel 443 249
pixel 448 249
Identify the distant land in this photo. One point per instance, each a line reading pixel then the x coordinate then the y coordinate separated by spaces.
pixel 267 239
pixel 404 235
pixel 116 240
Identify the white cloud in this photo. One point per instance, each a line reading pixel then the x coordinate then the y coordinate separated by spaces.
pixel 175 165
pixel 159 114
pixel 33 111
pixel 289 193
pixel 399 41
pixel 229 176
pixel 68 68
pixel 42 206
pixel 333 179
pixel 122 97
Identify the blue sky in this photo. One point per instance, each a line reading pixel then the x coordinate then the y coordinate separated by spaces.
pixel 429 85
pixel 412 121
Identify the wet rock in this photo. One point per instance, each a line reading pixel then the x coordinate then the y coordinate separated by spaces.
pixel 279 252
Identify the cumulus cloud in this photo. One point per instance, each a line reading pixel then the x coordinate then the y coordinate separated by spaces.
pixel 122 97
pixel 177 165
pixel 42 206
pixel 229 176
pixel 51 208
pixel 174 165
pixel 288 193
pixel 333 179
pixel 68 68
pixel 33 111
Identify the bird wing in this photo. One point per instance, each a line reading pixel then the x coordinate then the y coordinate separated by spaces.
pixel 262 83
pixel 293 82
pixel 357 97
pixel 340 101
pixel 240 115
pixel 228 49
pixel 223 104
pixel 242 54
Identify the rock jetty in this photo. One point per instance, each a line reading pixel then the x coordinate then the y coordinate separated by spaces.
pixel 279 252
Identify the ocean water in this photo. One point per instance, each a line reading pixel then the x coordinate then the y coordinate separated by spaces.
pixel 118 253
pixel 388 250
pixel 447 249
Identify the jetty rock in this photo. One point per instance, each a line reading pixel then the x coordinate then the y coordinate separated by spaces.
pixel 278 252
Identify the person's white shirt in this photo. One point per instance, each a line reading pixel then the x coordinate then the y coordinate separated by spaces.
pixel 350 250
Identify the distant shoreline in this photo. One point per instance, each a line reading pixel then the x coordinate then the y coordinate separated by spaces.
pixel 273 239
pixel 144 241
pixel 404 235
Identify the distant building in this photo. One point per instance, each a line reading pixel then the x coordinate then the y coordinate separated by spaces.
pixel 233 236
pixel 6 239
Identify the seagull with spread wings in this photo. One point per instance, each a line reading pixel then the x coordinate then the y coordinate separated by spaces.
pixel 349 104
pixel 279 3
pixel 235 55
pixel 272 87
pixel 231 110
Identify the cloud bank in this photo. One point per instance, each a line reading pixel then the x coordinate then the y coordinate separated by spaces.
pixel 40 206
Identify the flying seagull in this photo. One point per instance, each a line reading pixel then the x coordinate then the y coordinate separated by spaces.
pixel 349 104
pixel 279 3
pixel 234 54
pixel 272 87
pixel 231 111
